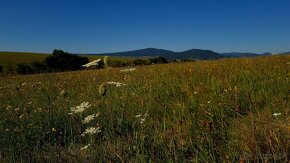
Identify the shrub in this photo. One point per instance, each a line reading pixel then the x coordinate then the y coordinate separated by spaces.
pixel 63 61
pixel 140 62
pixel 158 60
pixel 119 64
pixel 23 69
pixel 1 69
pixel 38 67
pixel 10 68
pixel 187 60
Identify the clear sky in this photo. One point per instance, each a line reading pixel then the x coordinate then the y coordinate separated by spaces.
pixel 97 26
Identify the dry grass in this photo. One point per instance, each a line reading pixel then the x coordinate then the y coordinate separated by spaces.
pixel 192 112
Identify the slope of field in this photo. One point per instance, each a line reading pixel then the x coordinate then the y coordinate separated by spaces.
pixel 231 109
pixel 11 59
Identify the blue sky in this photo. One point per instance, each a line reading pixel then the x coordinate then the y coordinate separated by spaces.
pixel 97 26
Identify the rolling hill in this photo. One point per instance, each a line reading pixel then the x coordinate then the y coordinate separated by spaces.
pixel 9 60
pixel 147 52
pixel 198 54
pixel 238 54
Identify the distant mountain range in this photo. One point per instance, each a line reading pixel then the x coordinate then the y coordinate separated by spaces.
pixel 192 54
pixel 195 54
pixel 148 52
pixel 237 54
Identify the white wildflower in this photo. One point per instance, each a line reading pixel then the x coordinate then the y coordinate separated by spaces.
pixel 80 108
pixel 137 116
pixel 85 147
pixel 128 70
pixel 142 117
pixel 117 84
pixel 91 131
pixel 142 120
pixel 90 118
pixel 276 114
pixel 146 114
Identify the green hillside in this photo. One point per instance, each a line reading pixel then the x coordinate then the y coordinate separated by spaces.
pixel 10 59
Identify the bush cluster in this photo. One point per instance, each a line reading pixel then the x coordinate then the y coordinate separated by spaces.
pixel 64 61
pixel 1 69
pixel 58 61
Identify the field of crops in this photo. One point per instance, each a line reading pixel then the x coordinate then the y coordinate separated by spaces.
pixel 230 109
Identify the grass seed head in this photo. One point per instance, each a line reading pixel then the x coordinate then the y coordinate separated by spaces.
pixel 106 63
pixel 103 89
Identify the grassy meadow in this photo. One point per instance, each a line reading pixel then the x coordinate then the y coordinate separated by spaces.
pixel 230 110
pixel 9 60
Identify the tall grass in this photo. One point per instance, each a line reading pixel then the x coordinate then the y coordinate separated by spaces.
pixel 189 112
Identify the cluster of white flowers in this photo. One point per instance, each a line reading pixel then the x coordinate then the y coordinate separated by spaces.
pixel 128 70
pixel 276 114
pixel 91 130
pixel 78 109
pixel 89 118
pixel 137 116
pixel 117 84
pixel 142 117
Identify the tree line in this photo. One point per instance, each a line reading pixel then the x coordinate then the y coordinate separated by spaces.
pixel 57 62
pixel 61 61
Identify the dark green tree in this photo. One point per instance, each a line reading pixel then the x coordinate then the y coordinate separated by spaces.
pixel 1 69
pixel 23 69
pixel 158 60
pixel 38 67
pixel 63 61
